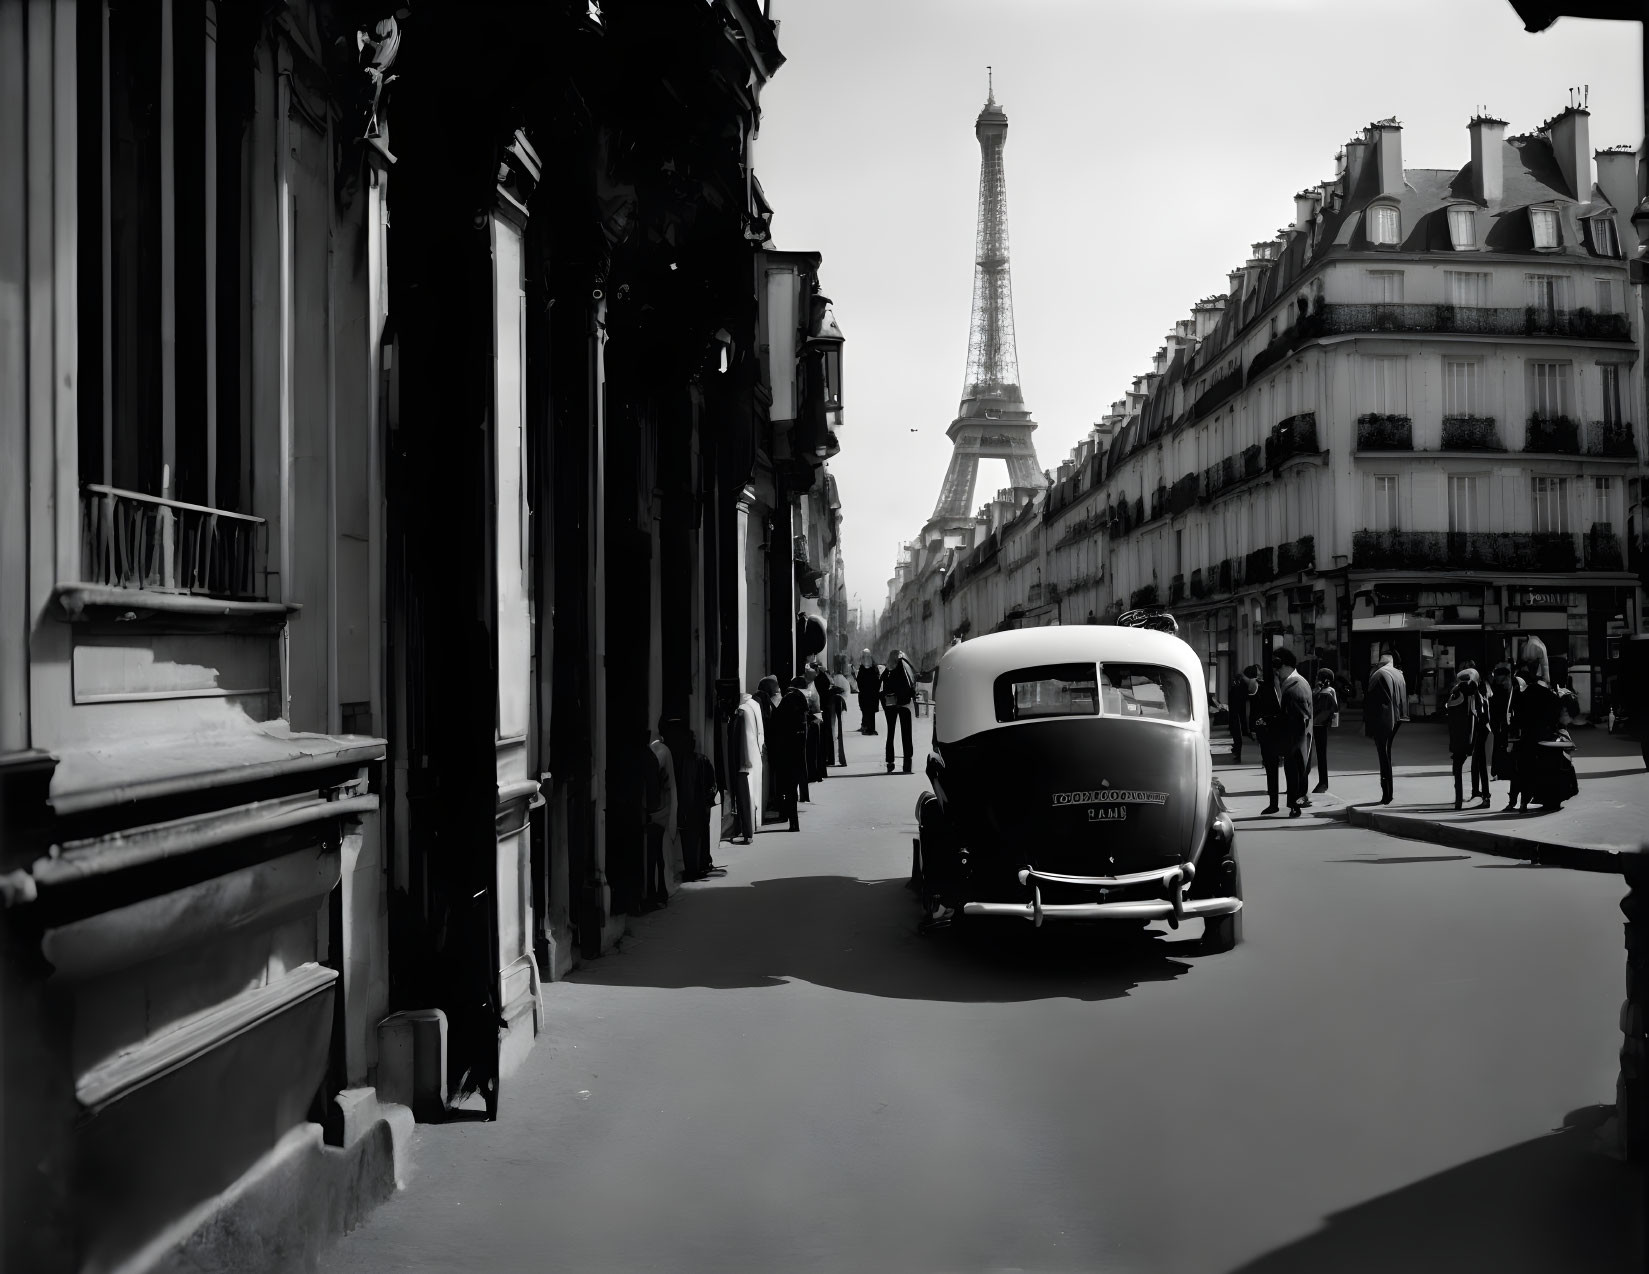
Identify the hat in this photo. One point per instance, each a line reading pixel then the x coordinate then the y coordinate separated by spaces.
pixel 1284 655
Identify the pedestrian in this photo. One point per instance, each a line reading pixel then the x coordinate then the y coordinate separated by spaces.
pixel 869 680
pixel 1502 764
pixel 663 842
pixel 1265 712
pixel 827 714
pixel 1325 715
pixel 1385 709
pixel 1243 690
pixel 1467 711
pixel 1294 734
pixel 841 693
pixel 696 794
pixel 1545 774
pixel 805 682
pixel 749 744
pixel 898 692
pixel 788 749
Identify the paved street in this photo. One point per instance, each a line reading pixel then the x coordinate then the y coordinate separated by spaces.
pixel 776 1073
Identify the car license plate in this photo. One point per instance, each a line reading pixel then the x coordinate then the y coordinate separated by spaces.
pixel 1107 813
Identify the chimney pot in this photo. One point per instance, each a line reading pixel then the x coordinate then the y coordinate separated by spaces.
pixel 1570 136
pixel 1387 136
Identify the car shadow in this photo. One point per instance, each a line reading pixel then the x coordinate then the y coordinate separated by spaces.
pixel 1553 1203
pixel 861 936
pixel 1417 858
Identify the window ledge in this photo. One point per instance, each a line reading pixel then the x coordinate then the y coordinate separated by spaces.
pixel 88 601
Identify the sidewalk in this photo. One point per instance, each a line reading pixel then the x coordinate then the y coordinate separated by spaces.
pixel 1608 818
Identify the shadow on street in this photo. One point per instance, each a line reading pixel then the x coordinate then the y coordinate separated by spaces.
pixel 1553 1203
pixel 860 936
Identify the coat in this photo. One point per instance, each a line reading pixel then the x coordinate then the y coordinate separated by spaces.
pixel 1241 702
pixel 902 687
pixel 1468 718
pixel 1386 705
pixel 1324 705
pixel 869 680
pixel 1265 714
pixel 1294 725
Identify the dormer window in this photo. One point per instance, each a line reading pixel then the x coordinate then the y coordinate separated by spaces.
pixel 1543 221
pixel 1605 242
pixel 1384 225
pixel 1463 227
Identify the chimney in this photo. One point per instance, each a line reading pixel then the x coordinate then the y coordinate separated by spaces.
pixel 1305 207
pixel 1488 158
pixel 1617 177
pixel 1356 151
pixel 1571 139
pixel 1387 137
pixel 1236 278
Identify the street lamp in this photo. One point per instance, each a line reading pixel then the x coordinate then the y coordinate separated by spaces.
pixel 825 338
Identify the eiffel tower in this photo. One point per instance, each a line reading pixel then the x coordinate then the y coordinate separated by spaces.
pixel 993 422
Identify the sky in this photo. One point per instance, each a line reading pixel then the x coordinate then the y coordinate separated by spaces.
pixel 1149 144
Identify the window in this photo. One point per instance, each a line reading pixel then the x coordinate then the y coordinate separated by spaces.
pixel 1604 240
pixel 1464 518
pixel 1144 690
pixel 1609 374
pixel 1606 293
pixel 1543 221
pixel 1462 387
pixel 1603 501
pixel 1551 497
pixel 1547 293
pixel 1385 502
pixel 1383 224
pixel 1463 227
pixel 1548 389
pixel 1467 287
pixel 1384 287
pixel 1049 690
pixel 1388 380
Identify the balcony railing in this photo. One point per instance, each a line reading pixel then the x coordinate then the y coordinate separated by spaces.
pixel 1610 438
pixel 1297 555
pixel 1159 502
pixel 1258 567
pixel 1252 465
pixel 1146 596
pixel 1602 549
pixel 1451 550
pixel 1530 320
pixel 1218 392
pixel 1230 472
pixel 136 541
pixel 1471 433
pixel 1556 434
pixel 1183 494
pixel 1199 590
pixel 1227 574
pixel 1377 432
pixel 1295 436
pixel 1176 590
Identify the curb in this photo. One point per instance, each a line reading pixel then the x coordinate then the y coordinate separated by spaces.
pixel 1606 859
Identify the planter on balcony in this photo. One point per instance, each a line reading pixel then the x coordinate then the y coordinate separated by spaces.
pixel 1227 575
pixel 1444 550
pixel 1297 555
pixel 1199 590
pixel 1146 596
pixel 1556 434
pixel 1258 567
pixel 1176 590
pixel 1610 438
pixel 1603 550
pixel 1183 494
pixel 1295 436
pixel 1230 472
pixel 1251 461
pixel 1471 433
pixel 1376 432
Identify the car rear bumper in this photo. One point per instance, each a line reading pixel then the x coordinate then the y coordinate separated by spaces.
pixel 1167 901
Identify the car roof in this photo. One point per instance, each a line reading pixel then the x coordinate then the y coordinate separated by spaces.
pixel 964 693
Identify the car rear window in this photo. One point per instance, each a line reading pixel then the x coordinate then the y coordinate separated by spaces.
pixel 1091 690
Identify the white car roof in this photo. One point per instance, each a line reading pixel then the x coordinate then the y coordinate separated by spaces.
pixel 964 696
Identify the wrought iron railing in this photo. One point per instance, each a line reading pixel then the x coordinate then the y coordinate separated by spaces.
pixel 1453 550
pixel 1183 494
pixel 1199 590
pixel 1252 465
pixel 1176 590
pixel 1555 434
pixel 1144 596
pixel 136 541
pixel 1602 548
pixel 1379 432
pixel 1610 438
pixel 1295 436
pixel 1297 555
pixel 1258 567
pixel 1471 433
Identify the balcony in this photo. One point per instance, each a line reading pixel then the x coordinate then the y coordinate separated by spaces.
pixel 1295 436
pixel 134 541
pixel 1610 438
pixel 1602 549
pixel 1553 434
pixel 1471 433
pixel 1176 590
pixel 1297 555
pixel 1218 392
pixel 1199 590
pixel 1183 495
pixel 1159 502
pixel 1230 472
pixel 1146 596
pixel 1227 575
pixel 1376 432
pixel 1582 324
pixel 1258 567
pixel 1251 461
pixel 1475 551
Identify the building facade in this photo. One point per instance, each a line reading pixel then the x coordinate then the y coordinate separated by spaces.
pixel 413 421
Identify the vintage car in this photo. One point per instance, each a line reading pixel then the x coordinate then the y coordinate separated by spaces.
pixel 1071 780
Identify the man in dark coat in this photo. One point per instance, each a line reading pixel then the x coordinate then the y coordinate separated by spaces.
pixel 1265 716
pixel 898 693
pixel 1243 688
pixel 1385 708
pixel 1294 727
pixel 869 681
pixel 787 746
